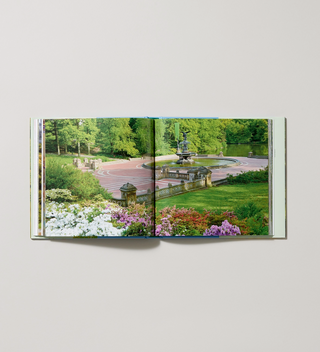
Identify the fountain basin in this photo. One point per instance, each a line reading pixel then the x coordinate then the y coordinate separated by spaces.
pixel 209 162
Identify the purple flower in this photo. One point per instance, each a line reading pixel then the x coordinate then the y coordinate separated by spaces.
pixel 226 229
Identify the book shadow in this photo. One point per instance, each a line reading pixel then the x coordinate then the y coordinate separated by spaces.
pixel 201 240
pixel 136 243
pixel 132 243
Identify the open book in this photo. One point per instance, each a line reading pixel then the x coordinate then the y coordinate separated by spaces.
pixel 158 177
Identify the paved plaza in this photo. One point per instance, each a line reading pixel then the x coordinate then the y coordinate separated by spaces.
pixel 115 174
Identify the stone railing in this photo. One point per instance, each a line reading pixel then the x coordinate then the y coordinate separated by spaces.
pixel 146 198
pixel 184 187
pixel 129 194
pixel 119 201
pixel 177 174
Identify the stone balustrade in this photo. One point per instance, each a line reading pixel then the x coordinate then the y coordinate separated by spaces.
pixel 200 179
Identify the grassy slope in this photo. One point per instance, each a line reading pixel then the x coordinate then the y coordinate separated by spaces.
pixel 68 159
pixel 220 198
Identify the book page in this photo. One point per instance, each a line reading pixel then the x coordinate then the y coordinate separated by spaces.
pixel 212 177
pixel 96 183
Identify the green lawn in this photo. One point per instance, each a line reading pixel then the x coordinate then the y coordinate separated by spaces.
pixel 220 198
pixel 68 159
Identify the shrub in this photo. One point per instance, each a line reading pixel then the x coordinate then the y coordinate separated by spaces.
pixel 226 229
pixel 258 226
pixel 137 218
pixel 217 219
pixel 187 218
pixel 59 195
pixel 83 185
pixel 137 229
pixel 247 210
pixel 261 175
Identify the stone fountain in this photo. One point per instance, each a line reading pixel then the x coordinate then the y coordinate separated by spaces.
pixel 184 155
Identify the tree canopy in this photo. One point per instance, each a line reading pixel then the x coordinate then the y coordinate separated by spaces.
pixel 132 137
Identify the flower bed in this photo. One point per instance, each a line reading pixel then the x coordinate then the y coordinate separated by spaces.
pixel 108 219
pixel 188 222
pixel 76 221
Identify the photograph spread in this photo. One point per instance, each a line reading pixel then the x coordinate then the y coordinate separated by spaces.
pixel 152 177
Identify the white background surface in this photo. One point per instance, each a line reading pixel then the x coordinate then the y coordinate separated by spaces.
pixel 160 58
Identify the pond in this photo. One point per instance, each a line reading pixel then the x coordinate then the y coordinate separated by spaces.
pixel 244 149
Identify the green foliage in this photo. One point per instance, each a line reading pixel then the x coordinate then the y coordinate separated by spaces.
pixel 59 195
pixel 238 131
pixel 211 135
pixel 91 130
pixel 83 185
pixel 204 134
pixel 64 133
pixel 161 146
pixel 247 210
pixel 123 137
pixel 261 175
pixel 115 136
pixel 259 130
pixel 93 214
pixel 98 198
pixel 137 229
pixel 144 136
pixel 258 225
pixel 185 231
pixel 246 130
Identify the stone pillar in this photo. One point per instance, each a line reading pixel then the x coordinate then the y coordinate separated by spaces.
pixel 157 192
pixel 170 188
pixel 206 173
pixel 165 171
pixel 77 162
pixel 250 155
pixel 129 193
pixel 192 174
pixel 158 173
pixel 94 164
pixel 177 174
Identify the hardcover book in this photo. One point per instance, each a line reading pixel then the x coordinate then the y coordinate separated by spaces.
pixel 158 178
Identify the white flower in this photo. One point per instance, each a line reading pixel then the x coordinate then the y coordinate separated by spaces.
pixel 72 220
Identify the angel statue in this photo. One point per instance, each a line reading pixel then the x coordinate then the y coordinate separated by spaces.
pixel 185 135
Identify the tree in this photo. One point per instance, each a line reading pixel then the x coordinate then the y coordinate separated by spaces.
pixel 116 137
pixel 259 130
pixel 143 134
pixel 91 130
pixel 206 135
pixel 58 133
pixel 238 131
pixel 161 146
pixel 210 135
pixel 78 133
